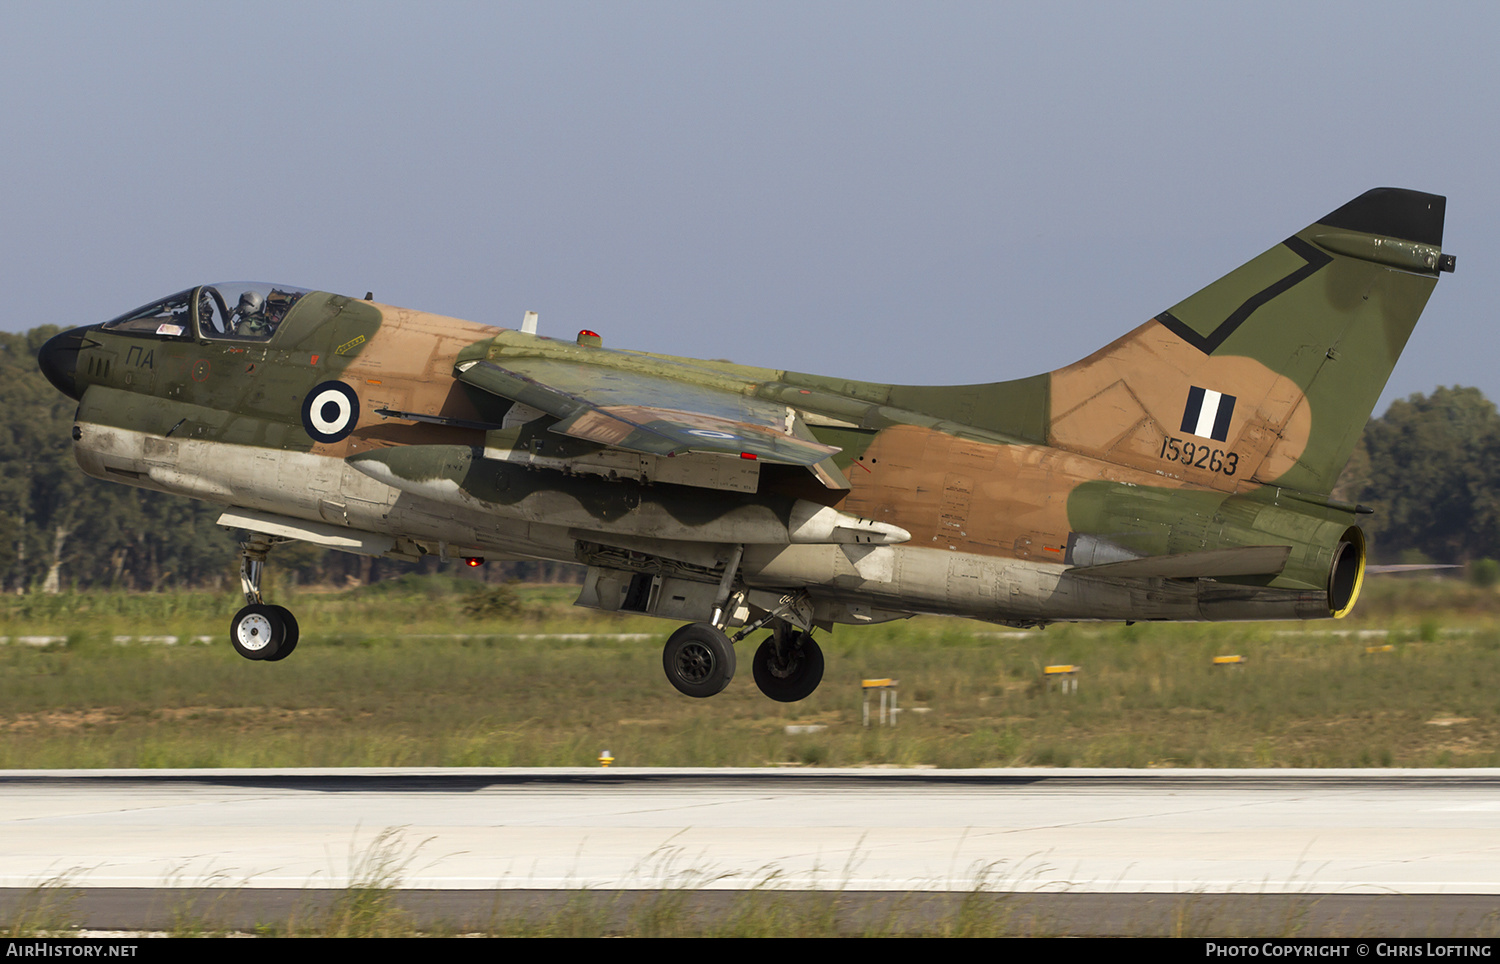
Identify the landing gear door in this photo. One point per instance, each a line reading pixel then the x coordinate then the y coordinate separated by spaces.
pixel 617 590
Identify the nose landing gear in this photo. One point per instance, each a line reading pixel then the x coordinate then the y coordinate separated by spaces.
pixel 260 631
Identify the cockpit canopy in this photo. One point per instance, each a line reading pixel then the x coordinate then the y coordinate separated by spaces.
pixel 233 311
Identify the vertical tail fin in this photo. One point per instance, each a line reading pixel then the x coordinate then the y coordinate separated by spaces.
pixel 1269 374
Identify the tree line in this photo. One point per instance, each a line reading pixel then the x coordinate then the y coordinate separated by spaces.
pixel 1429 467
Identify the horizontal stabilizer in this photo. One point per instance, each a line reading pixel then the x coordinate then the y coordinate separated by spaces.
pixel 1207 564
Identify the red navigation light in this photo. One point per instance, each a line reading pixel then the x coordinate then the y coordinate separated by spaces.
pixel 473 562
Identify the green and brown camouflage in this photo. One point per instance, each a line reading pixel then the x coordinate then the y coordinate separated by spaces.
pixel 1183 471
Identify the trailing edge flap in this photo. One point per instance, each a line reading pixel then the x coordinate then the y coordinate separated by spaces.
pixel 654 415
pixel 1209 563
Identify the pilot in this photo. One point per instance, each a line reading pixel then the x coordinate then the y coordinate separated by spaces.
pixel 250 319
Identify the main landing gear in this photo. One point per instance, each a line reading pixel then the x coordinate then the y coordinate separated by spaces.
pixel 699 658
pixel 788 666
pixel 260 631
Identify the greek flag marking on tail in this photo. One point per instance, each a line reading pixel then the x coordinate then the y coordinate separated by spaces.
pixel 1207 414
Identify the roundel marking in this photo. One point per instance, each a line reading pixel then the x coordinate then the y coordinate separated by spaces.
pixel 707 433
pixel 330 411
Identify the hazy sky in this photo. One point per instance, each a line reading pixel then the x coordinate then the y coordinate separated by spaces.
pixel 914 192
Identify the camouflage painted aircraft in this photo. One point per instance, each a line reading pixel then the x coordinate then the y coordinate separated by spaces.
pixel 1181 472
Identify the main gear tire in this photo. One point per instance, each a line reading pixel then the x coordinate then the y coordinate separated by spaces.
pixel 699 660
pixel 795 674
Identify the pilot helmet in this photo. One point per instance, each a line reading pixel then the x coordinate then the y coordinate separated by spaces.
pixel 251 302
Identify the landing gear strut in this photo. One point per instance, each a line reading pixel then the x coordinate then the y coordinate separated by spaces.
pixel 260 631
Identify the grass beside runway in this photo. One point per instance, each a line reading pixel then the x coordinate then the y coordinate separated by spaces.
pixel 400 675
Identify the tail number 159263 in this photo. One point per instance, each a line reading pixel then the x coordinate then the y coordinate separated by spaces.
pixel 1199 456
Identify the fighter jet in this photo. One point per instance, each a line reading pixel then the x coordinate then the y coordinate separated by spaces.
pixel 1181 472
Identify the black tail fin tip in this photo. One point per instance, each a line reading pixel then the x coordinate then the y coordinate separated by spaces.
pixel 1394 213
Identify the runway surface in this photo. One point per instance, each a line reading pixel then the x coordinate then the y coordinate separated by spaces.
pixel 1428 832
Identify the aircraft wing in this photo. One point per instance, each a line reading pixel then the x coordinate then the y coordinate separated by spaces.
pixel 652 414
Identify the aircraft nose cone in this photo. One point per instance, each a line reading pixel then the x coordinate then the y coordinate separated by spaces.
pixel 58 360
